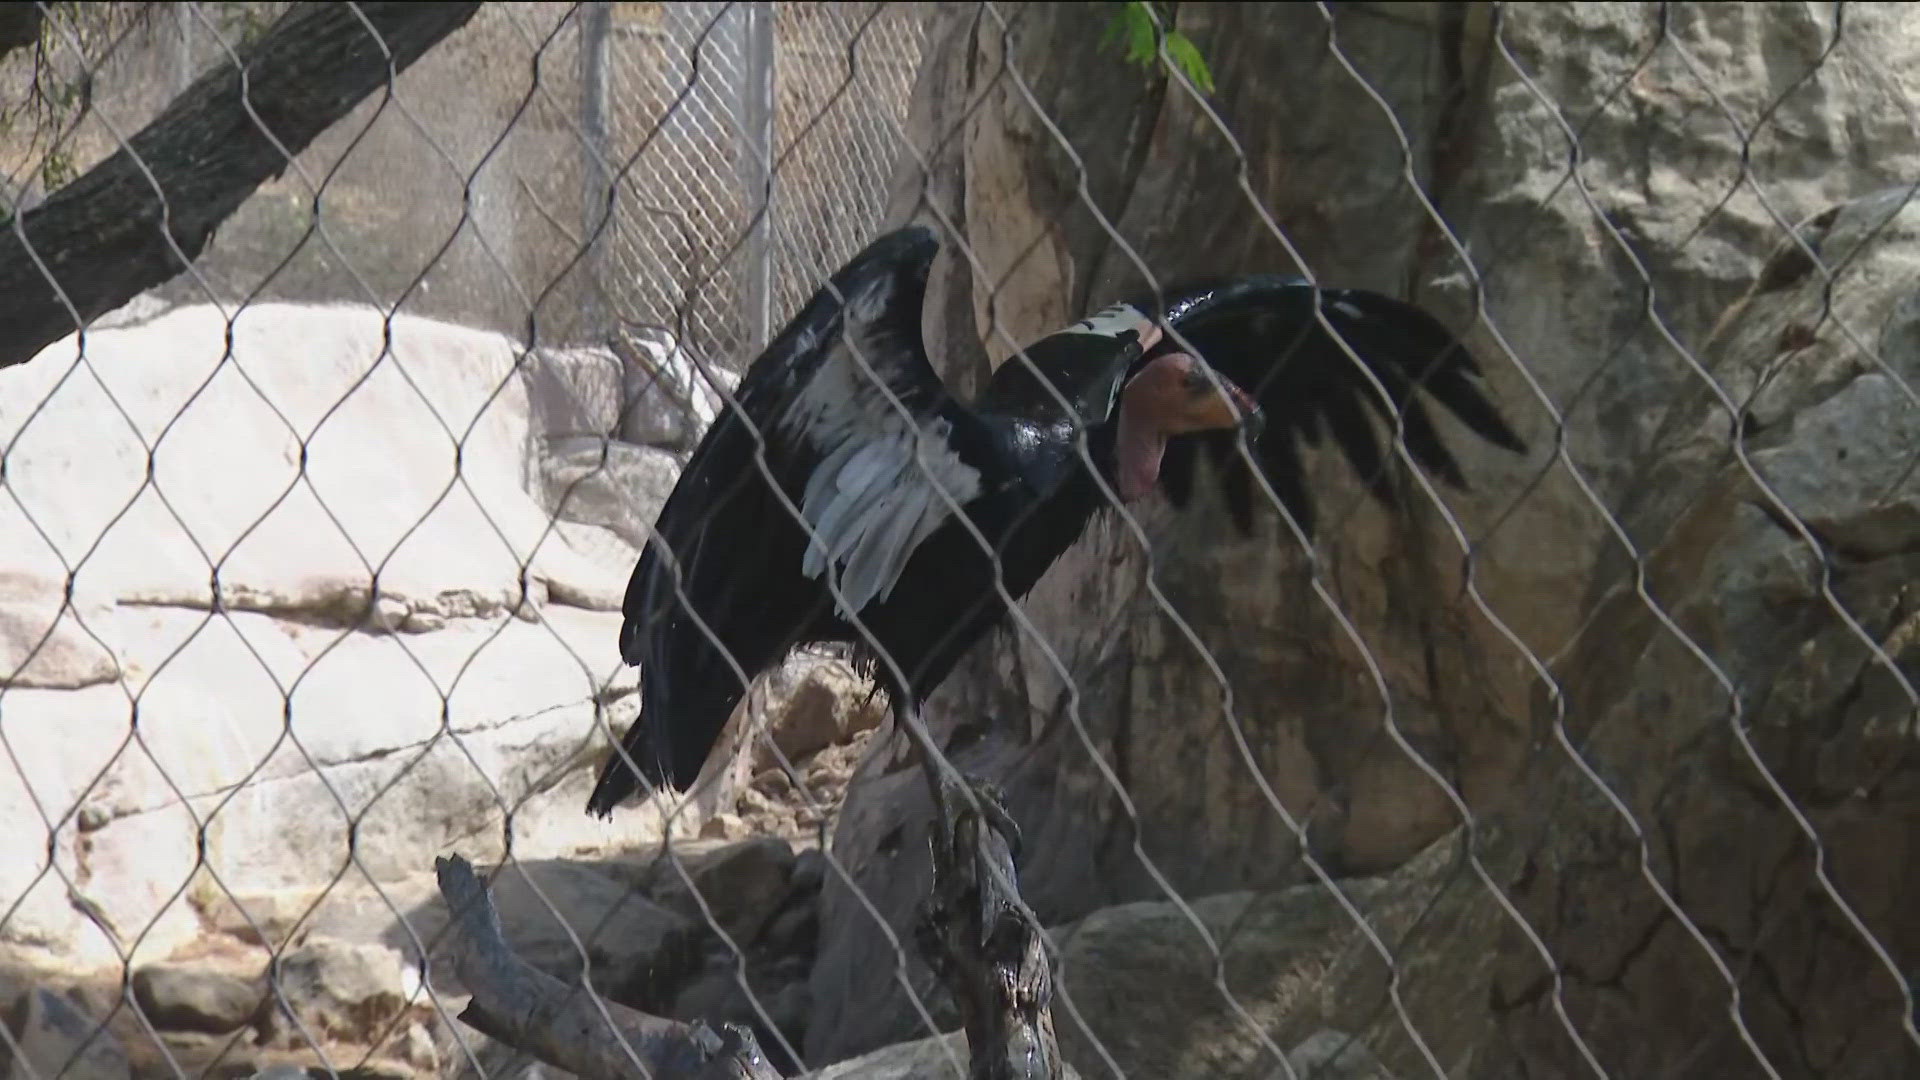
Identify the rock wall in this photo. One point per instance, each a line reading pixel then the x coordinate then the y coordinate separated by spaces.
pixel 1604 200
pixel 297 599
pixel 278 606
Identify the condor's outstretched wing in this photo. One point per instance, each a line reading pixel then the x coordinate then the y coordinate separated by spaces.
pixel 1260 331
pixel 729 561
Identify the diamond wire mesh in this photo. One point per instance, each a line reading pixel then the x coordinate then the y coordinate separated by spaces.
pixel 700 277
pixel 675 256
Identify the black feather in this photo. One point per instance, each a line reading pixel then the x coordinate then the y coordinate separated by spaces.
pixel 727 550
pixel 1261 332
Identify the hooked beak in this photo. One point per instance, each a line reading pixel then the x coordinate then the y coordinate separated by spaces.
pixel 1253 421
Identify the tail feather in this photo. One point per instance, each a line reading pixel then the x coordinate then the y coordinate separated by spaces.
pixel 685 704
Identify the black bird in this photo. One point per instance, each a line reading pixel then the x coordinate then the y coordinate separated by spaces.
pixel 730 582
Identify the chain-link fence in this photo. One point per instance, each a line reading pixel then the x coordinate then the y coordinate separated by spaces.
pixel 1529 692
pixel 759 139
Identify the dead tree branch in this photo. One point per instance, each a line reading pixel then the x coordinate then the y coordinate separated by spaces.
pixel 532 1011
pixel 104 238
pixel 975 931
pixel 984 942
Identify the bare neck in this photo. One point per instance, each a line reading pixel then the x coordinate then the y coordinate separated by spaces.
pixel 1137 448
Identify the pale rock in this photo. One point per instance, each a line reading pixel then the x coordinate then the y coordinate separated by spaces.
pixel 574 391
pixel 415 1046
pixel 606 548
pixel 389 614
pixel 281 1072
pixel 387 816
pixel 818 703
pixel 334 990
pixel 741 885
pixel 544 906
pixel 1748 680
pixel 214 713
pixel 617 486
pixel 141 308
pixel 1843 468
pixel 46 643
pixel 381 481
pixel 422 622
pixel 644 390
pixel 668 397
pixel 527 605
pixel 49 1033
pixel 270 1063
pixel 137 871
pixel 1146 984
pixel 194 997
pixel 773 783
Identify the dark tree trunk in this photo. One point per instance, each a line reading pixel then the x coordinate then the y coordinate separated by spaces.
pixel 143 215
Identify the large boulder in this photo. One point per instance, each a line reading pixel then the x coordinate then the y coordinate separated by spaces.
pixel 1229 985
pixel 49 1033
pixel 194 997
pixel 305 619
pixel 47 643
pixel 369 442
pixel 668 397
pixel 613 485
pixel 1743 704
pixel 733 889
pixel 336 991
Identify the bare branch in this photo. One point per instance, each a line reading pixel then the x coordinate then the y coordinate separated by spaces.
pixel 530 1010
pixel 985 943
pixel 976 932
pixel 104 237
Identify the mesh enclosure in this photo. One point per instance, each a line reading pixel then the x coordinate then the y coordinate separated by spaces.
pixel 719 110
pixel 1558 723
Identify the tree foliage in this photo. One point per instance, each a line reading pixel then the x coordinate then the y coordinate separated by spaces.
pixel 1145 32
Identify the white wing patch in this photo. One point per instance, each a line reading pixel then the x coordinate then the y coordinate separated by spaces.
pixel 1110 322
pixel 869 501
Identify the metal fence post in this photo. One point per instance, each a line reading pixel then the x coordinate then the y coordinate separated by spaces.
pixel 596 29
pixel 756 168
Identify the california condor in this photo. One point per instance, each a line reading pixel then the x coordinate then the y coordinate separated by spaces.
pixel 730 582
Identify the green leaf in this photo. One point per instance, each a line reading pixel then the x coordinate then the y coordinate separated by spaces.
pixel 1186 55
pixel 1141 43
pixel 1134 24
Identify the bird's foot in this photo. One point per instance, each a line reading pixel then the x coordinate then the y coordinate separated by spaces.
pixel 954 806
pixel 979 937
